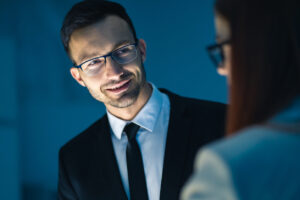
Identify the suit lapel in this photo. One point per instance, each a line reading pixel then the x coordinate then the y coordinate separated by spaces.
pixel 176 150
pixel 113 185
pixel 174 159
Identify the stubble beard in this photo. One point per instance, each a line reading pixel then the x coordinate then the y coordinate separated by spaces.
pixel 127 99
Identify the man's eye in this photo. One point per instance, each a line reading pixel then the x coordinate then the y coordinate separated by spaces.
pixel 123 51
pixel 95 62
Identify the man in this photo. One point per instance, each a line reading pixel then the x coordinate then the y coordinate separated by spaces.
pixel 144 147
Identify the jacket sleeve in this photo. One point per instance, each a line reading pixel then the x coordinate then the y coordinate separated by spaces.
pixel 65 189
pixel 211 179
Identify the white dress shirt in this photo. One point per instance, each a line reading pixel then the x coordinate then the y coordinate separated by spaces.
pixel 153 120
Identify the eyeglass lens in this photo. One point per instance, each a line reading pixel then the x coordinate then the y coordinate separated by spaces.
pixel 123 55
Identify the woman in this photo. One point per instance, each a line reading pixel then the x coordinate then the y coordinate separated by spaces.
pixel 259 51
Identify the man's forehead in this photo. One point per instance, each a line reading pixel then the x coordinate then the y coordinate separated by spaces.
pixel 109 29
pixel 102 37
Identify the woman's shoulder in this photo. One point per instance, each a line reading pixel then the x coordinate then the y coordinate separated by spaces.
pixel 255 158
pixel 256 140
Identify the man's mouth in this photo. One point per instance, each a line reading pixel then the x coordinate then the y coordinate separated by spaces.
pixel 120 87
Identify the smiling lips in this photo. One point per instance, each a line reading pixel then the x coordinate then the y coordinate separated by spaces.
pixel 120 87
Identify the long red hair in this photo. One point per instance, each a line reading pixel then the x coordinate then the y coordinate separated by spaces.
pixel 265 71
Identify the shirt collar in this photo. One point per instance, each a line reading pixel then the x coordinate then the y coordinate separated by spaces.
pixel 146 118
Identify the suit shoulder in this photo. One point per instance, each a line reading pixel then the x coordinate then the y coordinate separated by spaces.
pixel 194 105
pixel 202 104
pixel 212 172
pixel 85 137
pixel 256 150
pixel 257 141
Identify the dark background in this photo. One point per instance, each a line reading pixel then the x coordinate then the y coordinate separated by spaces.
pixel 42 107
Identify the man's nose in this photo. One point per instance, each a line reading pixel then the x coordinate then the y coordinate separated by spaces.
pixel 112 68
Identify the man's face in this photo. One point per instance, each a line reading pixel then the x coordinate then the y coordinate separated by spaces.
pixel 116 85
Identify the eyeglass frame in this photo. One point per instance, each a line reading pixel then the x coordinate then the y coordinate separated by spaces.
pixel 219 46
pixel 108 55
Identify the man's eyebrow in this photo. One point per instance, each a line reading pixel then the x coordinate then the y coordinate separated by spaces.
pixel 83 57
pixel 121 43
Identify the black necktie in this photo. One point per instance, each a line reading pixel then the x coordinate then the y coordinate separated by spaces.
pixel 135 167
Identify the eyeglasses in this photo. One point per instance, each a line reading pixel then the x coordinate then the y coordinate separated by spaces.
pixel 123 55
pixel 216 53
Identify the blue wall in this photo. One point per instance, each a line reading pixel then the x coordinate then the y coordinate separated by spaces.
pixel 41 107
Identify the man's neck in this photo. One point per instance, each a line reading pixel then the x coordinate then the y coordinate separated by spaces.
pixel 130 112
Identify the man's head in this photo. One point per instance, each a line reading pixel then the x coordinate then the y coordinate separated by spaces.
pixel 108 59
pixel 86 13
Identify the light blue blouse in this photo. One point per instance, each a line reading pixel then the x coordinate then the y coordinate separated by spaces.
pixel 259 163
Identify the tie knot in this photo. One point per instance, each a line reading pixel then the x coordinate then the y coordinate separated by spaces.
pixel 131 129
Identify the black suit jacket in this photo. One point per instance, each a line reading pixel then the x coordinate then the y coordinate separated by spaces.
pixel 88 169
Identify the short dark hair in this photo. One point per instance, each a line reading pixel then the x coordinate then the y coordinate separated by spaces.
pixel 85 13
pixel 265 70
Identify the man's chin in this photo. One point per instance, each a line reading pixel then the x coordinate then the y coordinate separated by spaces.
pixel 126 100
pixel 122 103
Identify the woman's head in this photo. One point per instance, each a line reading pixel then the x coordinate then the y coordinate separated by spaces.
pixel 262 58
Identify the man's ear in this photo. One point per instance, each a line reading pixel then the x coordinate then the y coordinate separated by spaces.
pixel 76 75
pixel 142 48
